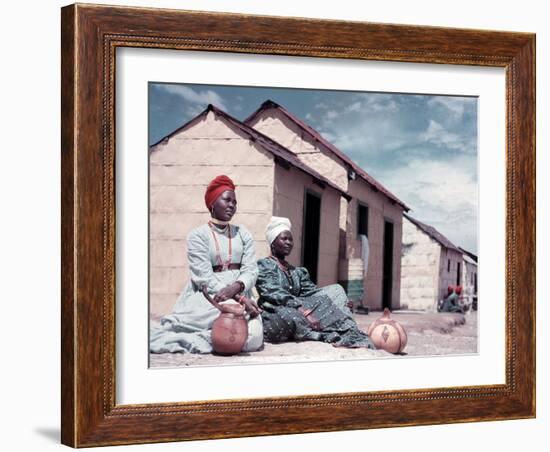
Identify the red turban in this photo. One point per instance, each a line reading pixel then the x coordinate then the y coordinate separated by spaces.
pixel 215 188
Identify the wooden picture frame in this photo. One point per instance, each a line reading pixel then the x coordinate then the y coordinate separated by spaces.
pixel 90 36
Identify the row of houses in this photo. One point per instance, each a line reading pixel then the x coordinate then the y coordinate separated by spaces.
pixel 431 263
pixel 348 227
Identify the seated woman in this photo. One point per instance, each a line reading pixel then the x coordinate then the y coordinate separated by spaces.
pixel 451 302
pixel 222 259
pixel 294 308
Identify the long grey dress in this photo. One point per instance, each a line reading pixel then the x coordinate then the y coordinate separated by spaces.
pixel 285 295
pixel 188 327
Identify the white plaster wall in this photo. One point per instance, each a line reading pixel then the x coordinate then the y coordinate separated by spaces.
pixel 289 192
pixel 343 224
pixel 275 125
pixel 380 210
pixel 468 278
pixel 278 127
pixel 180 170
pixel 420 268
pixel 448 277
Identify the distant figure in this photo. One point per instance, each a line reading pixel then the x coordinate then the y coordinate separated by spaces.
pixel 294 309
pixel 451 302
pixel 221 257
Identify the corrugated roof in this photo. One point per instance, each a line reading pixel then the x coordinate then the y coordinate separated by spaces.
pixel 469 254
pixel 433 233
pixel 279 151
pixel 377 186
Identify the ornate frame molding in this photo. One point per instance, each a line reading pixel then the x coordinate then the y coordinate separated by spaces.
pixel 90 36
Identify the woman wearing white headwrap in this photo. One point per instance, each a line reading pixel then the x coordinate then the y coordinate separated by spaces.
pixel 294 308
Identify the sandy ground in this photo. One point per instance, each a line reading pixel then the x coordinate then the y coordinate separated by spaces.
pixel 428 334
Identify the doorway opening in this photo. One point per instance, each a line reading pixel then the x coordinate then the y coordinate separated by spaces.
pixel 312 227
pixel 387 271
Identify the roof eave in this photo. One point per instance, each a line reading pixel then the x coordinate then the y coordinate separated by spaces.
pixel 268 104
pixel 251 132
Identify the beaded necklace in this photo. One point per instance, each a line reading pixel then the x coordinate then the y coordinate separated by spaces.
pixel 218 222
pixel 224 265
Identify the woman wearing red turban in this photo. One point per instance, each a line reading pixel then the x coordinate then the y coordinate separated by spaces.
pixel 221 258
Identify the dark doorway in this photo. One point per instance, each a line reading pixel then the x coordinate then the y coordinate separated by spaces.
pixel 362 219
pixel 312 222
pixel 458 274
pixel 387 275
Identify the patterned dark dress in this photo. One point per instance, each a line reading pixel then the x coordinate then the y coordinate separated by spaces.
pixel 294 309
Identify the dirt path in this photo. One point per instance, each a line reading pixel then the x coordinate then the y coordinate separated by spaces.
pixel 428 334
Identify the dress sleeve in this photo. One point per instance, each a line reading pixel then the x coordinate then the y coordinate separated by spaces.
pixel 198 255
pixel 249 268
pixel 307 286
pixel 270 288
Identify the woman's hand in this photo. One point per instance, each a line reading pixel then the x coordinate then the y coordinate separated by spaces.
pixel 268 307
pixel 251 306
pixel 313 321
pixel 227 292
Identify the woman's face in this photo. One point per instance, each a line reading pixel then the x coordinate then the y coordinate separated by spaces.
pixel 225 206
pixel 283 244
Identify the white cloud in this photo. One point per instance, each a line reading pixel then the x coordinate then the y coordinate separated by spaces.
pixel 436 134
pixel 194 110
pixel 444 184
pixel 352 141
pixel 356 106
pixel 328 136
pixel 440 193
pixel 373 103
pixel 347 123
pixel 455 105
pixel 196 97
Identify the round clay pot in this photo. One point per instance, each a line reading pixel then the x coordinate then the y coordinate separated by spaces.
pixel 387 334
pixel 229 331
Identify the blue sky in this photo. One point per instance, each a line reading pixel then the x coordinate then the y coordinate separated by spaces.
pixel 423 148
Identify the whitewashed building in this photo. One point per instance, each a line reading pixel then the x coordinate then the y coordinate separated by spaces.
pixel 270 180
pixel 469 277
pixel 282 167
pixel 370 209
pixel 430 263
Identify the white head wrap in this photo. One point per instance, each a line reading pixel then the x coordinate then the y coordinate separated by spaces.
pixel 275 227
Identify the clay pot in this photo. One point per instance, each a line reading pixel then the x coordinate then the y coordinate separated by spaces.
pixel 229 331
pixel 387 334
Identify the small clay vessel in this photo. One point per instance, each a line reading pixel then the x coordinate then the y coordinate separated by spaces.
pixel 387 334
pixel 230 329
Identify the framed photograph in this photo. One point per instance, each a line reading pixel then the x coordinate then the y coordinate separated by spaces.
pixel 357 199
